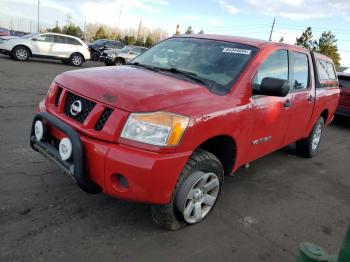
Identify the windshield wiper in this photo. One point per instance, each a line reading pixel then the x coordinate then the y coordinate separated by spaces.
pixel 190 75
pixel 144 66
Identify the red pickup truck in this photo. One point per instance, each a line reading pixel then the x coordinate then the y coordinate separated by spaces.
pixel 344 101
pixel 166 128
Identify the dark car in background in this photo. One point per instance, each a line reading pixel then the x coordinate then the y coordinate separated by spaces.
pixel 125 55
pixel 4 32
pixel 344 101
pixel 97 47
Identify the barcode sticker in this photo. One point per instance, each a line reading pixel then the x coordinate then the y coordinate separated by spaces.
pixel 236 51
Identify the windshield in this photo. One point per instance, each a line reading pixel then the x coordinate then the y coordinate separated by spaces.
pixel 126 49
pixel 99 42
pixel 30 35
pixel 216 61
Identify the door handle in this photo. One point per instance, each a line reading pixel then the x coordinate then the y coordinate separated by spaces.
pixel 288 103
pixel 311 98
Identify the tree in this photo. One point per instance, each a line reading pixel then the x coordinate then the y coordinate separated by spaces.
pixel 149 42
pixel 201 32
pixel 189 30
pixel 73 30
pixel 131 40
pixel 100 33
pixel 327 45
pixel 56 29
pixel 140 41
pixel 306 39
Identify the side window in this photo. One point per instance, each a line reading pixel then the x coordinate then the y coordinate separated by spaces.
pixel 136 51
pixel 300 71
pixel 325 70
pixel 50 38
pixel 72 41
pixel 344 81
pixel 276 66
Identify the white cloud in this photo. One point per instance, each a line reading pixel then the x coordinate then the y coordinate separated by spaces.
pixel 228 7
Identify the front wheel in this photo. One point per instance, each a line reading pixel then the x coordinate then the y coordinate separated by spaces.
pixel 76 60
pixel 119 61
pixel 21 53
pixel 308 147
pixel 195 194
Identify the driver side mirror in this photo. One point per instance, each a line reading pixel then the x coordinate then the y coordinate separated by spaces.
pixel 274 87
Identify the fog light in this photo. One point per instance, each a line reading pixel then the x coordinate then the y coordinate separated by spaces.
pixel 65 148
pixel 39 130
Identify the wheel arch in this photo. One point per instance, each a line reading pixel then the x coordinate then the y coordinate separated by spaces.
pixel 224 147
pixel 18 45
pixel 325 115
pixel 84 60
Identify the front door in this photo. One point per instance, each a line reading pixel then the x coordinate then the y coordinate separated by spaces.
pixel 270 114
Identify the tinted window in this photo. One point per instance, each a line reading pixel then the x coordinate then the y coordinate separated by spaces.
pixel 50 38
pixel 344 82
pixel 300 71
pixel 276 66
pixel 217 63
pixel 73 41
pixel 325 70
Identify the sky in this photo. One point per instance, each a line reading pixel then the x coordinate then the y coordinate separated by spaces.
pixel 249 18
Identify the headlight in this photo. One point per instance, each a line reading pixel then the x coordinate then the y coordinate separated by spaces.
pixel 160 128
pixel 112 56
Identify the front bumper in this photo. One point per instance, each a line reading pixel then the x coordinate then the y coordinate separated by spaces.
pixel 343 111
pixel 97 165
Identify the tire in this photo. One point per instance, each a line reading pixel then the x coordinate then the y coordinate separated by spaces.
pixel 76 59
pixel 119 61
pixel 200 164
pixel 95 56
pixel 21 53
pixel 309 147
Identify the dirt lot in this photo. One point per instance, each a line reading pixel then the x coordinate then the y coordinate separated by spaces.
pixel 264 213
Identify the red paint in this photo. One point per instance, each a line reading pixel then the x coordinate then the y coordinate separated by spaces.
pixel 152 171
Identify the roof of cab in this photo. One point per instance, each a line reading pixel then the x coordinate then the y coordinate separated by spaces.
pixel 240 40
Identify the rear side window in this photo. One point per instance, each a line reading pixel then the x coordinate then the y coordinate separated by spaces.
pixel 325 70
pixel 344 82
pixel 300 72
pixel 73 41
pixel 276 66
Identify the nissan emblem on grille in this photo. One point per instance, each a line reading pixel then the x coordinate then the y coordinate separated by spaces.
pixel 75 108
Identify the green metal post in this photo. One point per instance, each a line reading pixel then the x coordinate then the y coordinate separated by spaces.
pixel 344 254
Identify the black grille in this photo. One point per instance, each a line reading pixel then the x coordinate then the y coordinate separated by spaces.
pixel 86 107
pixel 57 98
pixel 103 119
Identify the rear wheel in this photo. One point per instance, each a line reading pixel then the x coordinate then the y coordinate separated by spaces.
pixel 76 60
pixel 95 56
pixel 308 147
pixel 195 194
pixel 21 53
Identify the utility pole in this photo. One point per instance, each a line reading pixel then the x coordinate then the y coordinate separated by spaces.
pixel 120 14
pixel 273 25
pixel 139 30
pixel 38 29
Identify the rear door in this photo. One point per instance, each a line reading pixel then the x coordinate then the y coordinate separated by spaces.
pixel 303 95
pixel 270 114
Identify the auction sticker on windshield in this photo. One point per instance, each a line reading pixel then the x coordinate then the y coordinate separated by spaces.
pixel 236 51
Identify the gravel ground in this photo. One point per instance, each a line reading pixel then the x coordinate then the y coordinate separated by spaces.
pixel 264 213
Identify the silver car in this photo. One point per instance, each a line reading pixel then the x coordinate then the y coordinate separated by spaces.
pixel 124 55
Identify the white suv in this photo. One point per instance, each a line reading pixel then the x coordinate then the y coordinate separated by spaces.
pixel 69 49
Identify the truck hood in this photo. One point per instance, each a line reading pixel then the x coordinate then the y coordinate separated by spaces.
pixel 132 89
